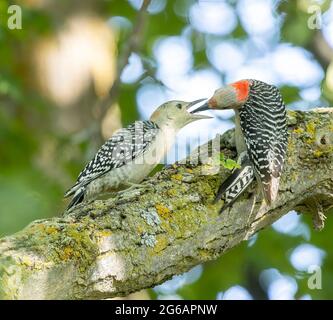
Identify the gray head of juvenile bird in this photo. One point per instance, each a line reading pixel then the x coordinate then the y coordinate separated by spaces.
pixel 175 114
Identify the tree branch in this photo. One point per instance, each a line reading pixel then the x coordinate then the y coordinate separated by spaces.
pixel 143 237
pixel 321 50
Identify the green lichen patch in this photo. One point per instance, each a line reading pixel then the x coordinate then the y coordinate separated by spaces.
pixel 59 244
pixel 178 177
pixel 161 243
pixel 311 140
pixel 7 271
pixel 163 211
pixel 298 130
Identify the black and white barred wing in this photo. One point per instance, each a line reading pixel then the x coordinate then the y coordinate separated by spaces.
pixel 235 184
pixel 123 147
pixel 265 132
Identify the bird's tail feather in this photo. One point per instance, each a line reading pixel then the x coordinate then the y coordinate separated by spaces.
pixel 270 189
pixel 72 190
pixel 77 198
pixel 235 185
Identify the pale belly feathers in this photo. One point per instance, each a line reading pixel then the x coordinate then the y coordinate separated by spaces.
pixel 135 171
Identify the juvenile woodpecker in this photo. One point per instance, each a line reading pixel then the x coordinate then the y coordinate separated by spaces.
pixel 132 152
pixel 261 136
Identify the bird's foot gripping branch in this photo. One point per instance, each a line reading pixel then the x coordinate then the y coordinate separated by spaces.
pixel 143 237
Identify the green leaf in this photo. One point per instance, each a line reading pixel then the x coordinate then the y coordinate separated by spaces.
pixel 228 163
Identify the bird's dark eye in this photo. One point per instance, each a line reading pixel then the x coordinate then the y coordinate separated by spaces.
pixel 178 105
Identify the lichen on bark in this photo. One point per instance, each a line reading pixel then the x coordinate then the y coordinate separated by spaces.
pixel 142 237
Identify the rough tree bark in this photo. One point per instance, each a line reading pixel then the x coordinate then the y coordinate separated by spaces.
pixel 143 237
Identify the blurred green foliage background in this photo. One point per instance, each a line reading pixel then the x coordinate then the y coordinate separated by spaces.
pixel 55 74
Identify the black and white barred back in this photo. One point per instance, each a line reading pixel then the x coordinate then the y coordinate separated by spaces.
pixel 124 146
pixel 264 126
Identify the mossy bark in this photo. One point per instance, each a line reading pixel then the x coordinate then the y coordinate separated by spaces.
pixel 143 237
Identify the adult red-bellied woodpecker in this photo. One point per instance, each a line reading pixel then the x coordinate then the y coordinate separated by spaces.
pixel 132 152
pixel 261 136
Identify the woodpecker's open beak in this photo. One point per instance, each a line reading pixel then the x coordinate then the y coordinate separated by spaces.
pixel 197 116
pixel 203 107
pixel 193 103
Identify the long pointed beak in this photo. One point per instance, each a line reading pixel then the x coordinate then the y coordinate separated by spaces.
pixel 200 116
pixel 203 107
pixel 193 103
pixel 197 116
